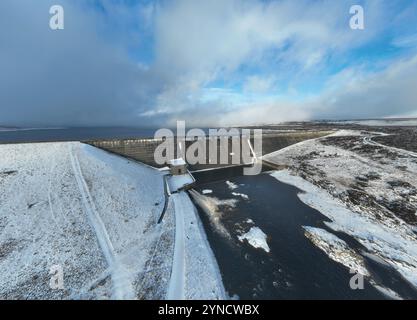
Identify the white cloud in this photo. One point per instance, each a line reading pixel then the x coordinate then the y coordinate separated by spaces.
pixel 406 41
pixel 258 84
pixel 86 75
pixel 202 39
pixel 384 93
pixel 353 93
pixel 198 42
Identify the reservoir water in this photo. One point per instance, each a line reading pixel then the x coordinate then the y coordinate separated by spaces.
pixel 294 268
pixel 72 134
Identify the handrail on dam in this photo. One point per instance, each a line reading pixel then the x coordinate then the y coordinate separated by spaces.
pixel 167 194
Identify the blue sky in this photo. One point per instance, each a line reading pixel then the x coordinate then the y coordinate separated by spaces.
pixel 219 62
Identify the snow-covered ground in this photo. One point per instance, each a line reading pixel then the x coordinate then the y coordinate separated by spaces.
pixel 95 215
pixel 381 122
pixel 363 189
pixel 195 265
pixel 337 249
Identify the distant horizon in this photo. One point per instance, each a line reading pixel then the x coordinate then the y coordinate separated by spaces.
pixel 206 127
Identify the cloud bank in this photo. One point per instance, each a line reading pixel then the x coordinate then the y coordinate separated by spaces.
pixel 220 62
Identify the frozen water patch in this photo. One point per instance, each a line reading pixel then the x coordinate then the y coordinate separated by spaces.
pixel 256 238
pixel 242 195
pixel 231 185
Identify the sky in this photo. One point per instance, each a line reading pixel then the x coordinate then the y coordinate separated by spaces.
pixel 210 63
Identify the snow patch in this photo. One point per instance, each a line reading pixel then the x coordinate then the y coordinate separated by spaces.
pixel 231 185
pixel 177 183
pixel 242 195
pixel 256 238
pixel 336 249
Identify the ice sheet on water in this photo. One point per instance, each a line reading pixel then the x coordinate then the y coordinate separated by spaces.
pixel 242 195
pixel 256 238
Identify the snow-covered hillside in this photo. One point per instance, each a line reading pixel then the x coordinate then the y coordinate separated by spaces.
pixel 94 215
pixel 368 190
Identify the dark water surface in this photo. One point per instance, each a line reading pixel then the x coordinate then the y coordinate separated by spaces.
pixel 79 134
pixel 294 268
pixel 73 134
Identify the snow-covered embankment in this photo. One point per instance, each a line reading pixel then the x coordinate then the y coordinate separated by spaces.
pixel 94 215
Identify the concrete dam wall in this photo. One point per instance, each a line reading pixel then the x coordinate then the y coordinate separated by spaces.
pixel 138 149
pixel 143 149
pixel 278 140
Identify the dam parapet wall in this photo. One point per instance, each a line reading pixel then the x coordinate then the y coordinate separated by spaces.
pixel 143 150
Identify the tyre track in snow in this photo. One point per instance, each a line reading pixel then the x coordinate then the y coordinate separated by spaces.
pixel 368 140
pixel 50 203
pixel 121 284
pixel 176 287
